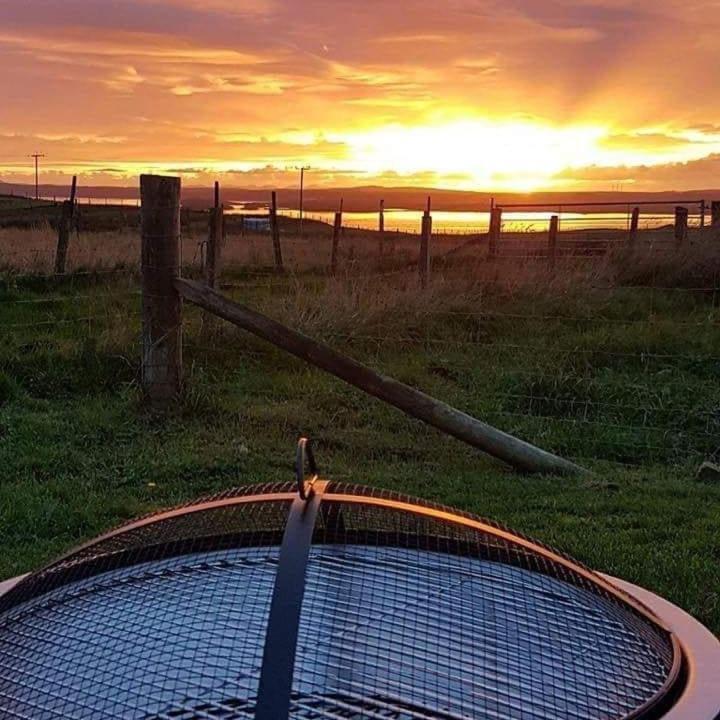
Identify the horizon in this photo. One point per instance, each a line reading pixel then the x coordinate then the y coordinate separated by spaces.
pixel 488 97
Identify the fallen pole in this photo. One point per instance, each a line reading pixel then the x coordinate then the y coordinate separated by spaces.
pixel 517 453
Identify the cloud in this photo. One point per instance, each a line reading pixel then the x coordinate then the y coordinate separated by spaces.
pixel 647 141
pixel 241 8
pixel 176 78
pixel 699 174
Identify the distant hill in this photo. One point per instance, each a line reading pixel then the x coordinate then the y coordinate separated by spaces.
pixel 366 199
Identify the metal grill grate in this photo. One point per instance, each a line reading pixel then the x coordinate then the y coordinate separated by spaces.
pixel 411 611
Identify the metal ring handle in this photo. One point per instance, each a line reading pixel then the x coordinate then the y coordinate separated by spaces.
pixel 304 456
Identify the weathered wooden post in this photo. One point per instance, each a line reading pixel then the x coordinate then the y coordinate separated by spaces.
pixel 552 239
pixel 715 213
pixel 681 224
pixel 703 210
pixel 337 230
pixel 161 304
pixel 381 229
pixel 512 450
pixel 185 218
pixel 634 225
pixel 216 235
pixel 425 238
pixel 494 231
pixel 67 212
pixel 275 230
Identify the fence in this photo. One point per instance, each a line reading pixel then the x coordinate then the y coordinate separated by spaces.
pixel 534 397
pixel 584 229
pixel 163 291
pixel 512 231
pixel 627 372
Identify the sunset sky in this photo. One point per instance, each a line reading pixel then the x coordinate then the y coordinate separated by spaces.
pixel 471 94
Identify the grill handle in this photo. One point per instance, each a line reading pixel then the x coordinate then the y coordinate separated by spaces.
pixel 305 456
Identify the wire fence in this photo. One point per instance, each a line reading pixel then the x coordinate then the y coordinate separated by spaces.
pixel 574 391
pixel 28 242
pixel 608 364
pixel 627 390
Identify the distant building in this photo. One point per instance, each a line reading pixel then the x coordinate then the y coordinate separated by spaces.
pixel 257 224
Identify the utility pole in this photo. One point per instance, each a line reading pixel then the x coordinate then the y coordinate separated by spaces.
pixel 302 191
pixel 37 156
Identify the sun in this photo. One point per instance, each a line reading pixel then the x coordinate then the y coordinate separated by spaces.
pixel 516 155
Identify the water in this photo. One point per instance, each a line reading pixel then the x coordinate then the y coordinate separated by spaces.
pixel 125 202
pixel 473 222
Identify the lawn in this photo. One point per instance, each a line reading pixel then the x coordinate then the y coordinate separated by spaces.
pixel 621 379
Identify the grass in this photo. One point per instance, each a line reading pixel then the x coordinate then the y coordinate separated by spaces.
pixel 587 361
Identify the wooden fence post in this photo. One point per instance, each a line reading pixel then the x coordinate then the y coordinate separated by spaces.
pixel 275 230
pixel 67 213
pixel 425 238
pixel 381 229
pixel 681 224
pixel 185 218
pixel 337 230
pixel 703 210
pixel 552 239
pixel 512 450
pixel 494 231
pixel 161 303
pixel 216 235
pixel 634 226
pixel 715 213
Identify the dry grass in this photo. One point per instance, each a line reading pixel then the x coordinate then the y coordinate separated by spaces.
pixel 32 250
pixel 461 273
pixel 695 265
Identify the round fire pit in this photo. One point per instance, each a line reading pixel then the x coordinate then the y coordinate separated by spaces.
pixel 345 603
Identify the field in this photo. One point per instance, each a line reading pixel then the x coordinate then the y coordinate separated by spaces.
pixel 610 361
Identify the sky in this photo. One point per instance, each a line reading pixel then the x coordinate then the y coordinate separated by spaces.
pixel 467 94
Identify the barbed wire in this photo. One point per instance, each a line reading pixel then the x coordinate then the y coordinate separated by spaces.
pixel 67 321
pixel 71 298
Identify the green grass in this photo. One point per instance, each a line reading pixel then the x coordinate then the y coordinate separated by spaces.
pixel 624 382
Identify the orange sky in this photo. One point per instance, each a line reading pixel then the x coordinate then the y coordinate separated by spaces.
pixel 473 94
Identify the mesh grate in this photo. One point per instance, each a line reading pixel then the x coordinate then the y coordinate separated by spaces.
pixel 154 640
pixel 409 613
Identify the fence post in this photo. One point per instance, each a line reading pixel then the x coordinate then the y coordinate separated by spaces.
pixel 634 225
pixel 275 229
pixel 425 238
pixel 381 229
pixel 216 235
pixel 494 231
pixel 67 213
pixel 161 304
pixel 337 230
pixel 703 210
pixel 552 239
pixel 715 213
pixel 681 224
